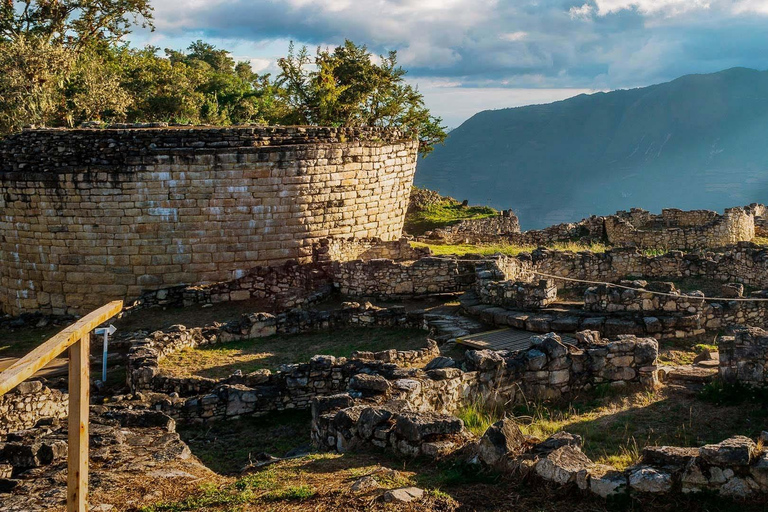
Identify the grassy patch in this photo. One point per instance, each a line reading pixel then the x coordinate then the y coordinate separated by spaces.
pixel 321 482
pixel 443 214
pixel 228 446
pixel 477 417
pixel 675 352
pixel 760 240
pixel 506 249
pixel 218 361
pixel 616 428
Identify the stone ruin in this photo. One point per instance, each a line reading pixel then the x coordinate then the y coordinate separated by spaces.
pixel 405 401
pixel 409 412
pixel 93 215
pixel 673 229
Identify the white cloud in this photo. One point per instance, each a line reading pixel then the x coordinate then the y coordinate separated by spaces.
pixel 258 65
pixel 492 44
pixel 581 13
pixel 753 6
pixel 514 36
pixel 667 7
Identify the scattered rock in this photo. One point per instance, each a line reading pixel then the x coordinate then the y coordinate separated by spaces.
pixel 563 465
pixel 364 484
pixel 374 384
pixel 440 362
pixel 501 438
pixel 403 495
pixel 556 441
pixel 669 455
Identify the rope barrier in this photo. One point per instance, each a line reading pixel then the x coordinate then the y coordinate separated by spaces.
pixel 663 294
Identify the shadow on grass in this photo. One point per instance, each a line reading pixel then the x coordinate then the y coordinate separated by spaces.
pixel 228 446
pixel 616 428
pixel 217 361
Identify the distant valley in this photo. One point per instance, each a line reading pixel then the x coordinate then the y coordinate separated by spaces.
pixel 700 141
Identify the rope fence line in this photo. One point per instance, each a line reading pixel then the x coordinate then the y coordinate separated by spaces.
pixel 663 294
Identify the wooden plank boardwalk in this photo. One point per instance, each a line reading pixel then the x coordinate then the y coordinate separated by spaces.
pixel 504 339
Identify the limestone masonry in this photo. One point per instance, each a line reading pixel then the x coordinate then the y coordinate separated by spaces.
pixel 87 216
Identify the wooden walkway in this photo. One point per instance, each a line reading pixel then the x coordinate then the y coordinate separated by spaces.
pixel 504 339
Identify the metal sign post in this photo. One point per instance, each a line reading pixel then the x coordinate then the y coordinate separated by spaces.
pixel 107 332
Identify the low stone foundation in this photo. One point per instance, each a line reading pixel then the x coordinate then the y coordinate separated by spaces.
pixel 548 370
pixel 145 354
pixel 29 403
pixel 608 299
pixel 517 294
pixel 744 357
pixel 678 229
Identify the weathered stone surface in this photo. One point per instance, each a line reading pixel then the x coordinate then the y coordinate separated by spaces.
pixel 735 451
pixel 484 359
pixel 371 419
pixel 606 481
pixel 416 426
pixel 669 455
pixel 440 362
pixel 650 480
pixel 369 383
pixel 558 440
pixel 563 465
pixel 501 438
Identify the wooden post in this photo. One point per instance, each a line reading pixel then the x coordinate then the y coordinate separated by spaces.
pixel 79 398
pixel 76 338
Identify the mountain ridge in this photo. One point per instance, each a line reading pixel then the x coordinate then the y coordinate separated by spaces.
pixel 695 142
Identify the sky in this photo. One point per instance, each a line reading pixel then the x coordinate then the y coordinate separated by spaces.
pixel 472 55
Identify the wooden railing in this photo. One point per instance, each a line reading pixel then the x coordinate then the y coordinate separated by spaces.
pixel 76 338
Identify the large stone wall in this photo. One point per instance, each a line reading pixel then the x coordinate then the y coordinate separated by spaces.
pixel 387 279
pixel 92 215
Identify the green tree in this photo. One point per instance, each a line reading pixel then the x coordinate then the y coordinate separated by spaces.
pixel 72 23
pixel 346 87
pixel 32 78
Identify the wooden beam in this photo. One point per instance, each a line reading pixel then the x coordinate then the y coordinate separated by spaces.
pixel 45 353
pixel 77 421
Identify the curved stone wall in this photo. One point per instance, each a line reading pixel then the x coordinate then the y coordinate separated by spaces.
pixel 87 216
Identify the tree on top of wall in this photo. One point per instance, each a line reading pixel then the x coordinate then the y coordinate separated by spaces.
pixel 347 87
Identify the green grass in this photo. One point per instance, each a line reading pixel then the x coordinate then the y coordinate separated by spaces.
pixel 217 361
pixel 442 215
pixel 265 485
pixel 506 249
pixel 477 417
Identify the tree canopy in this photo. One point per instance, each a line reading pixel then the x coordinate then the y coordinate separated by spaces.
pixel 64 62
